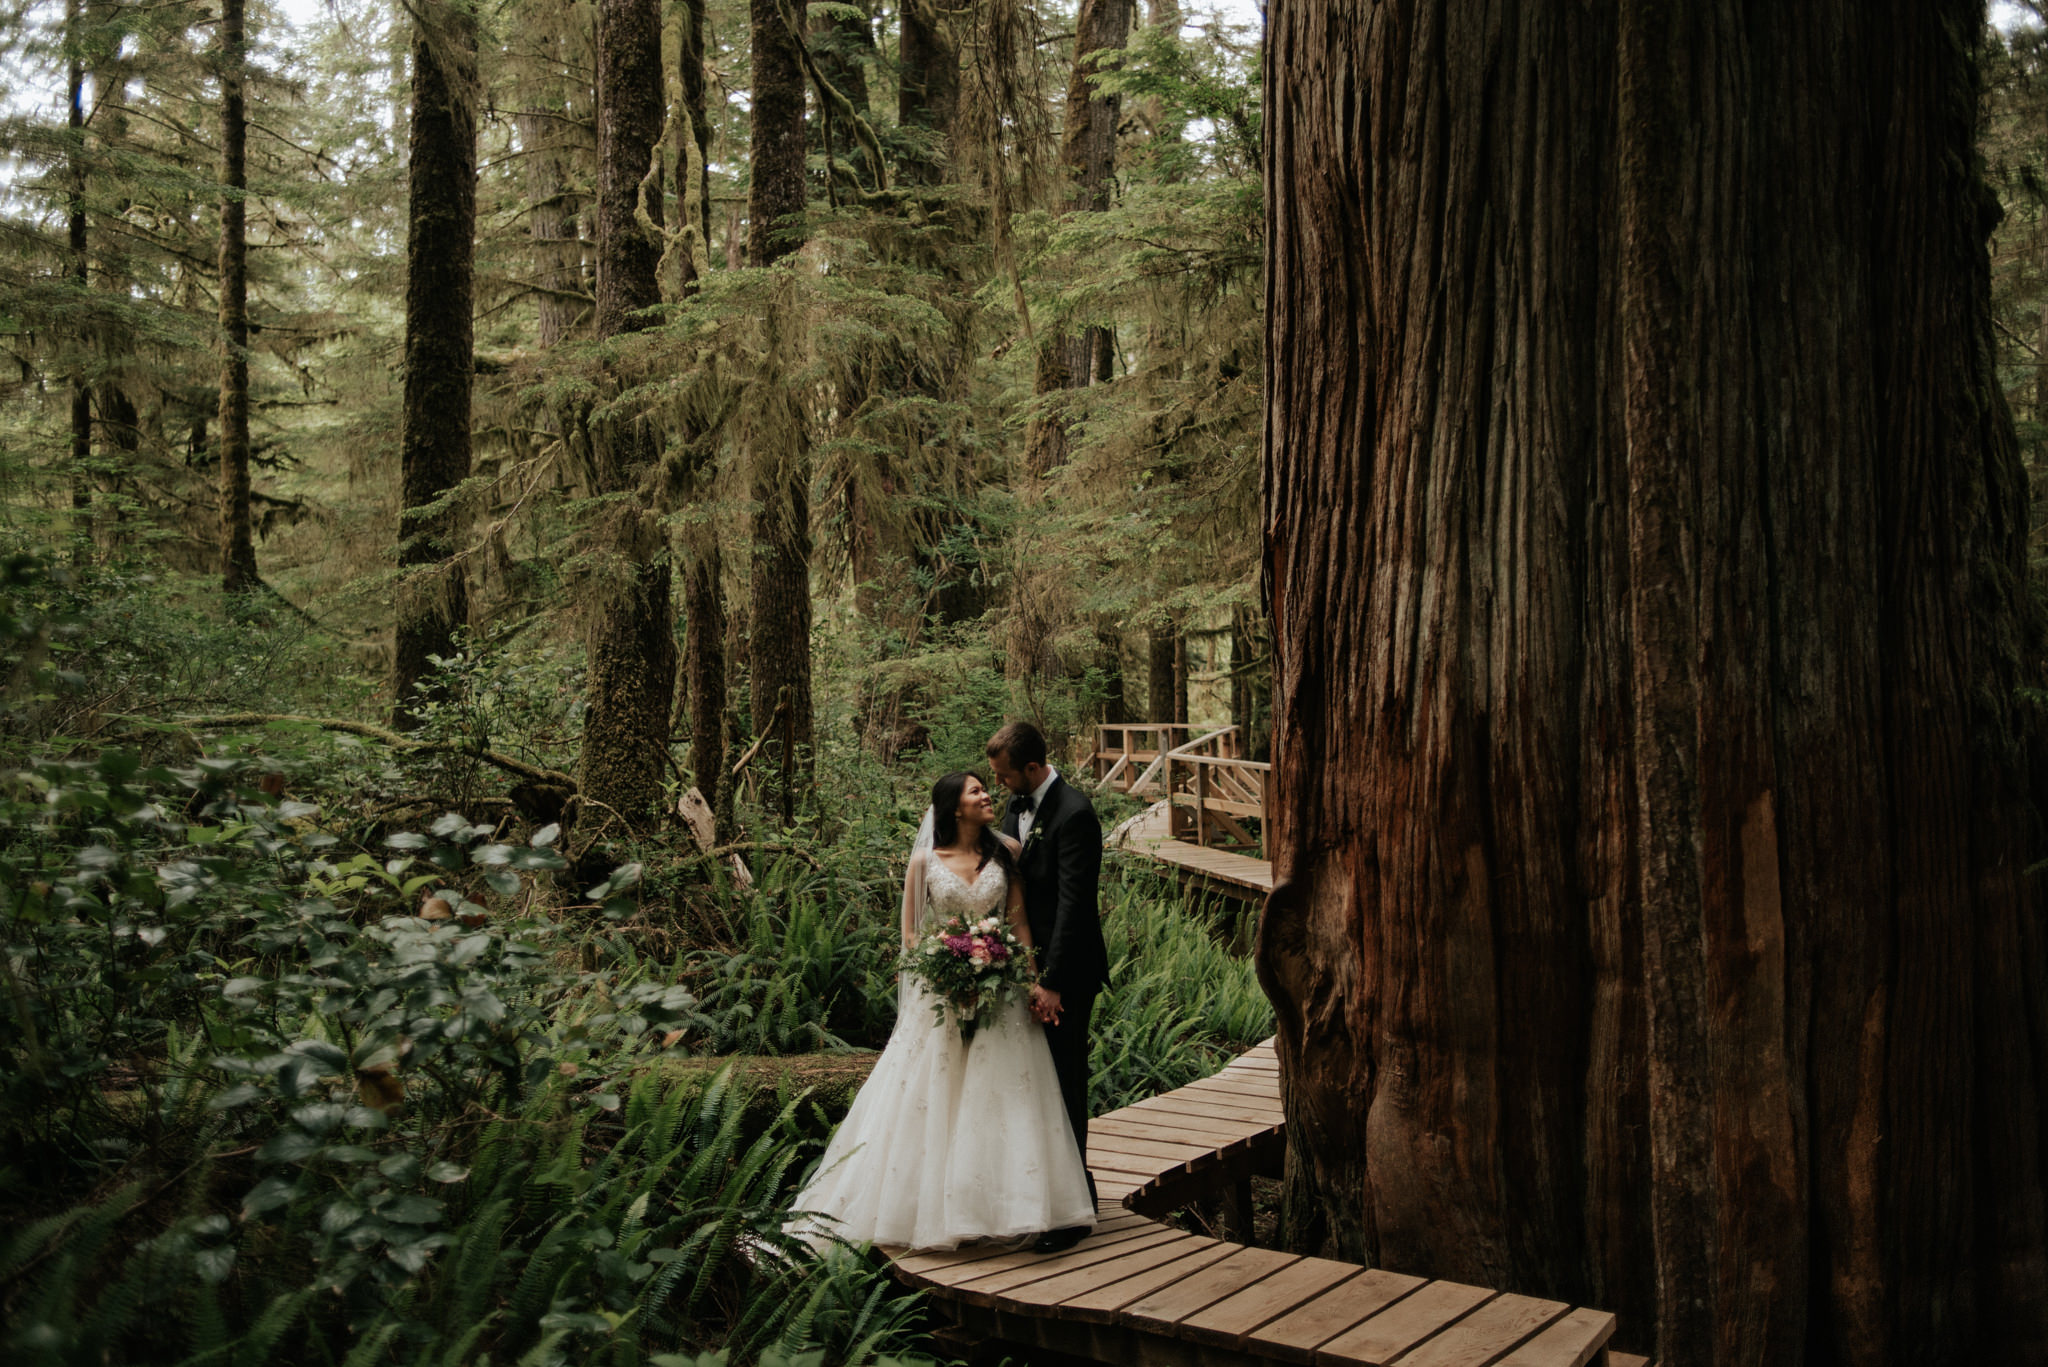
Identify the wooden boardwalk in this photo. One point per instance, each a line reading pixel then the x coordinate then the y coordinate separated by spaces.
pixel 1150 834
pixel 1140 1292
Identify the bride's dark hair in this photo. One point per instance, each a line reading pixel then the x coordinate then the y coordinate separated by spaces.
pixel 946 822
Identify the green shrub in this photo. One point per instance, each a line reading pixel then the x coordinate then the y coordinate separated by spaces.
pixel 1179 1004
pixel 348 1132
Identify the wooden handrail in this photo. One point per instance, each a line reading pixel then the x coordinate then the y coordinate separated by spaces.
pixel 1209 787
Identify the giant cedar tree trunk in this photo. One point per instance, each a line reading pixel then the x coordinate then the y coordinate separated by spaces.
pixel 238 542
pixel 779 626
pixel 632 638
pixel 1646 547
pixel 433 441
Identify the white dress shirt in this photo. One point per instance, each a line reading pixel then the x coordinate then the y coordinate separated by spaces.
pixel 1025 820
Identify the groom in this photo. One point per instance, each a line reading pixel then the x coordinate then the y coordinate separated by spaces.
pixel 1061 865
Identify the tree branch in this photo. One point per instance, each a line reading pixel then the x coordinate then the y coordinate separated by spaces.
pixel 532 772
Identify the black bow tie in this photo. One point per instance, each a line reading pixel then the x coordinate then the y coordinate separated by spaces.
pixel 1022 804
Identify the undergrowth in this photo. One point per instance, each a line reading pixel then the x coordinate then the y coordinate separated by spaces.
pixel 295 1066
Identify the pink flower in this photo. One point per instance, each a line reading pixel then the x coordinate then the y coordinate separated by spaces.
pixel 959 944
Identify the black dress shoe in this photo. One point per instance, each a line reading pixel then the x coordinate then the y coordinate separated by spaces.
pixel 1060 1240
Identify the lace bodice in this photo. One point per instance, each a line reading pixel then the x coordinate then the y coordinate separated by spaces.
pixel 946 893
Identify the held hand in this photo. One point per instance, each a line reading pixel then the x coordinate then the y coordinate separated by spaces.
pixel 1045 1004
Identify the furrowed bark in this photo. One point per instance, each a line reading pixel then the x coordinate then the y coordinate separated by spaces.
pixel 1644 539
pixel 78 268
pixel 927 89
pixel 779 651
pixel 1088 157
pixel 632 636
pixel 238 543
pixel 434 434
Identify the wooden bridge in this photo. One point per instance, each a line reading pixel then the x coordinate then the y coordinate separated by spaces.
pixel 1138 1291
pixel 1209 823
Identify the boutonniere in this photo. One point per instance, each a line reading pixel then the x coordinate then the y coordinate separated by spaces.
pixel 1037 829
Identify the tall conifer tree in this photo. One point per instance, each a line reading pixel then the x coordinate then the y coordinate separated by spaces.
pixel 237 536
pixel 779 628
pixel 434 435
pixel 632 640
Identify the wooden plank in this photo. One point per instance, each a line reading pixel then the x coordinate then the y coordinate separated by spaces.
pixel 1243 1104
pixel 1258 1127
pixel 1120 1233
pixel 1210 1107
pixel 1170 1128
pixel 1486 1333
pixel 1626 1360
pixel 1168 1306
pixel 1407 1322
pixel 1226 1323
pixel 1009 1256
pixel 923 1264
pixel 1166 1139
pixel 1262 1089
pixel 1052 1291
pixel 1218 1132
pixel 1102 1303
pixel 1151 1146
pixel 1139 1170
pixel 1162 1243
pixel 1570 1342
pixel 1295 1336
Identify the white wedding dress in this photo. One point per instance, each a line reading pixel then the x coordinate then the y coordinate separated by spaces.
pixel 950 1142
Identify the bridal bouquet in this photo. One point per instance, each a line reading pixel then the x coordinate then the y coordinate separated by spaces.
pixel 973 966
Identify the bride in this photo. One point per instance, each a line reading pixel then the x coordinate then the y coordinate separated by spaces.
pixel 949 1142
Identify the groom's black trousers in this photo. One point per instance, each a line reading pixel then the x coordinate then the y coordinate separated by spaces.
pixel 1069 1041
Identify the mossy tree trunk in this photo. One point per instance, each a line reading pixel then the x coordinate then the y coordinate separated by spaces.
pixel 632 637
pixel 1159 686
pixel 704 611
pixel 238 541
pixel 78 268
pixel 779 626
pixel 1656 923
pixel 1088 157
pixel 842 45
pixel 434 436
pixel 549 133
pixel 927 89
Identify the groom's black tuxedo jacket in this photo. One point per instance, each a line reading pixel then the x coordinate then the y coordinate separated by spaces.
pixel 1062 868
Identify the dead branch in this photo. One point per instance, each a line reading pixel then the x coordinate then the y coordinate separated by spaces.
pixel 531 772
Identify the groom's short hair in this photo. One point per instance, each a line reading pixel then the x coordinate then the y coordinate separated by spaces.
pixel 1021 741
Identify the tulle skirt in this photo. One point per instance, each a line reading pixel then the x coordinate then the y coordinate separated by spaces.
pixel 950 1142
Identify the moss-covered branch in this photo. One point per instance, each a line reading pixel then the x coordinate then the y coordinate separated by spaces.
pixel 532 772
